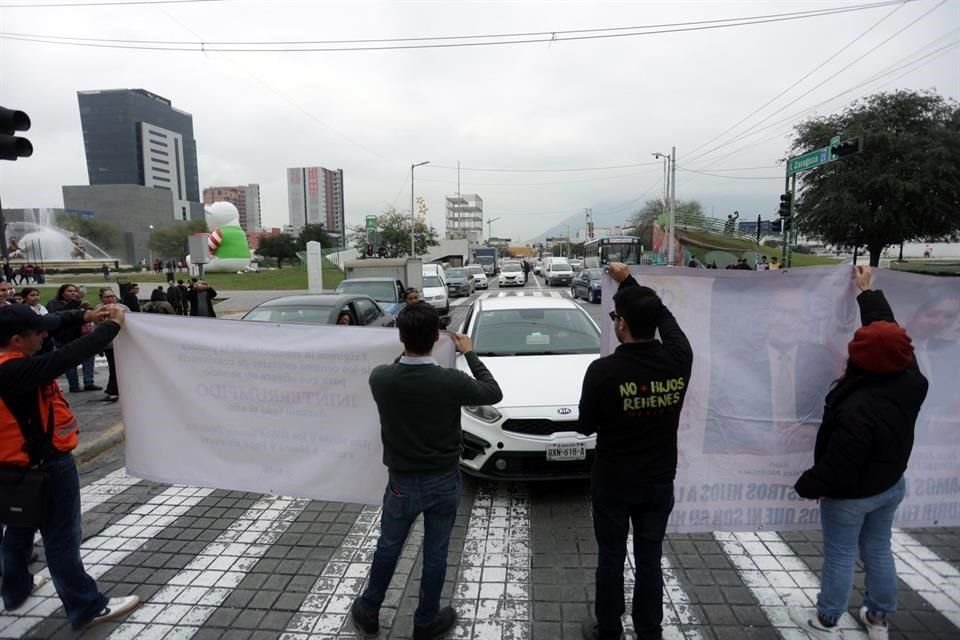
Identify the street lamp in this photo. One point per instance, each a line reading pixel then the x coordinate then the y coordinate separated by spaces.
pixel 670 191
pixel 413 214
pixel 490 222
pixel 149 248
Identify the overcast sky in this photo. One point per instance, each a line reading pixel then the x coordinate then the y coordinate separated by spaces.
pixel 560 105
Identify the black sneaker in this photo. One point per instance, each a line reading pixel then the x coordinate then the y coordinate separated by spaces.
pixel 435 630
pixel 92 387
pixel 366 623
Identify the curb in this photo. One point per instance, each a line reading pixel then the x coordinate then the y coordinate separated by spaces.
pixel 87 450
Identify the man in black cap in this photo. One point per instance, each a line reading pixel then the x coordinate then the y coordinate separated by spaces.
pixel 38 430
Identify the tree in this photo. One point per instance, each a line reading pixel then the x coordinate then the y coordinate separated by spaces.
pixel 904 186
pixel 103 234
pixel 173 241
pixel 393 228
pixel 688 213
pixel 281 246
pixel 314 232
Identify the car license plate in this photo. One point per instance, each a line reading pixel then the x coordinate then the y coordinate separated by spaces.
pixel 566 451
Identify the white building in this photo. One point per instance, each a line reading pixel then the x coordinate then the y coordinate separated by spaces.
pixel 464 217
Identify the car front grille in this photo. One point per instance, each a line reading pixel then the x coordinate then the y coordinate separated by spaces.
pixel 539 427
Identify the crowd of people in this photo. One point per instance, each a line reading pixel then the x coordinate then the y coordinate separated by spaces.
pixel 862 450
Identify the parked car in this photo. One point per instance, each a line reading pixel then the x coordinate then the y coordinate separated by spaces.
pixel 586 285
pixel 459 282
pixel 511 275
pixel 322 308
pixel 479 277
pixel 558 272
pixel 435 287
pixel 538 348
pixel 386 291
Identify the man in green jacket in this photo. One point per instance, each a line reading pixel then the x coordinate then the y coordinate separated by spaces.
pixel 419 404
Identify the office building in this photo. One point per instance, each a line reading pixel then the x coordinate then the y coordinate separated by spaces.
pixel 465 217
pixel 315 196
pixel 245 198
pixel 134 137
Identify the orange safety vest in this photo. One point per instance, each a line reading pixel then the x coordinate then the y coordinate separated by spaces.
pixel 13 449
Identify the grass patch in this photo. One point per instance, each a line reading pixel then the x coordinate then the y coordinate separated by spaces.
pixel 928 267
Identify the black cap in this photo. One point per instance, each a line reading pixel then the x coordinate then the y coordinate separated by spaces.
pixel 17 318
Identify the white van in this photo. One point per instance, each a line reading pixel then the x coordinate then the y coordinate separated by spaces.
pixel 558 272
pixel 435 287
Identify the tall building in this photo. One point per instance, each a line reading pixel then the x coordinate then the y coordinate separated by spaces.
pixel 315 196
pixel 245 198
pixel 465 217
pixel 132 136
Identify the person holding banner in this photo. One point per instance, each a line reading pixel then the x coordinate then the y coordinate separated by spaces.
pixel 862 450
pixel 38 431
pixel 419 404
pixel 632 400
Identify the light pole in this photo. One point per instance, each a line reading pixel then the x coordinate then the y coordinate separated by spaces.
pixel 413 214
pixel 670 193
pixel 490 228
pixel 149 249
pixel 568 240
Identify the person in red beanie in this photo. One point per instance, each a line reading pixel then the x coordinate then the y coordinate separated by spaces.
pixel 862 450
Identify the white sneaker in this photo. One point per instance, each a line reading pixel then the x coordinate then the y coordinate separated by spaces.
pixel 808 620
pixel 874 631
pixel 115 608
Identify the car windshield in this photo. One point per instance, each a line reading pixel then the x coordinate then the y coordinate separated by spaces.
pixel 305 315
pixel 511 267
pixel 431 281
pixel 381 291
pixel 456 273
pixel 519 332
pixel 560 266
pixel 595 274
pixel 476 270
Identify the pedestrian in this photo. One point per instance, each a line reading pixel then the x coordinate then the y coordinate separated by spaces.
pixel 175 298
pixel 31 298
pixel 105 270
pixel 201 298
pixel 38 430
pixel 862 450
pixel 632 400
pixel 131 299
pixel 774 263
pixel 112 392
pixel 7 291
pixel 157 295
pixel 170 269
pixel 419 404
pixel 184 302
pixel 763 265
pixel 69 298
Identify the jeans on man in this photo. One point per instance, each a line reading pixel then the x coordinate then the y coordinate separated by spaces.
pixel 613 510
pixel 78 592
pixel 437 497
pixel 862 525
pixel 86 366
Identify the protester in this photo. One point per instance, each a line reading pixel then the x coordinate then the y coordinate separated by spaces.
pixel 862 451
pixel 157 295
pixel 344 318
pixel 774 263
pixel 69 298
pixel 201 298
pixel 763 265
pixel 411 295
pixel 7 291
pixel 131 299
pixel 419 404
pixel 636 455
pixel 112 392
pixel 32 397
pixel 175 298
pixel 184 301
pixel 159 306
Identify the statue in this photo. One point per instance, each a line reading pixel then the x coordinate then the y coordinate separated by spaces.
pixel 229 250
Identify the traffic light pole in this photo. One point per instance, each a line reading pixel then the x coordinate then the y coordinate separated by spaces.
pixel 786 255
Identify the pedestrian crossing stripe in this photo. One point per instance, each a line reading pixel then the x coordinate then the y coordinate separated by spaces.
pixel 493 589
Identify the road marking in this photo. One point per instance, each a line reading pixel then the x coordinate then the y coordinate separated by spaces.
pixel 778 579
pixel 459 301
pixel 934 580
pixel 188 600
pixel 492 591
pixel 112 484
pixel 105 551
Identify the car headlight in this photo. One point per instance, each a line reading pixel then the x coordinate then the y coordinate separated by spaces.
pixel 484 413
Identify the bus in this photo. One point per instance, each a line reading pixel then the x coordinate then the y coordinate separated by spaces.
pixel 602 251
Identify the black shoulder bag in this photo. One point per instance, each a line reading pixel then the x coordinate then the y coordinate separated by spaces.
pixel 25 491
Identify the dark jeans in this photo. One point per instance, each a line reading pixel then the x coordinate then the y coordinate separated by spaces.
pixel 613 510
pixel 437 497
pixel 111 389
pixel 86 365
pixel 61 543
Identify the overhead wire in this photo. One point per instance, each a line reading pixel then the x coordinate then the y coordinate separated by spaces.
pixel 64 5
pixel 605 168
pixel 440 42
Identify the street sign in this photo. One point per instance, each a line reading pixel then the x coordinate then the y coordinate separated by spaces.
pixel 809 160
pixel 371 223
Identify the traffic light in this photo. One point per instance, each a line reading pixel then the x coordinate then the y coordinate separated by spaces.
pixel 11 146
pixel 369 250
pixel 785 204
pixel 776 226
pixel 846 148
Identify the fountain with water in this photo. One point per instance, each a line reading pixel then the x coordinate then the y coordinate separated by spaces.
pixel 38 239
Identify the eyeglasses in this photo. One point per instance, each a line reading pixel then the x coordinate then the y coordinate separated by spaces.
pixel 615 316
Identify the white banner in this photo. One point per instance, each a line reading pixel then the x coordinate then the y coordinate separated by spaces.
pixel 273 408
pixel 767 347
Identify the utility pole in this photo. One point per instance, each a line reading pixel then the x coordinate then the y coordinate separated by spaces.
pixel 413 213
pixel 490 222
pixel 673 204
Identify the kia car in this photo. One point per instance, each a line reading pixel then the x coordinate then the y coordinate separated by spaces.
pixel 511 275
pixel 538 348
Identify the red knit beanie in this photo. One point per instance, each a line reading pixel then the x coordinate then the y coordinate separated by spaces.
pixel 881 347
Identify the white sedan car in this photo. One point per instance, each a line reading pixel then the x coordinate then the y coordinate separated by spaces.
pixel 537 348
pixel 479 277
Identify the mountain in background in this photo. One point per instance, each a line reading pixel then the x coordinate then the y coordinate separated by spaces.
pixel 714 205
